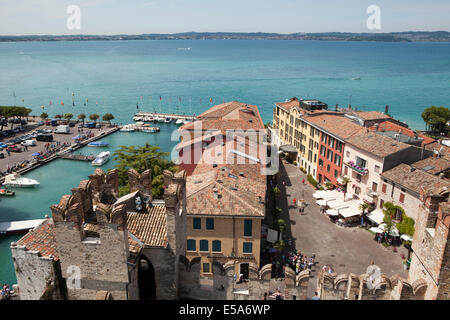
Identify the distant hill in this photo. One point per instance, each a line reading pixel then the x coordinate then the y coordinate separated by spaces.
pixel 410 36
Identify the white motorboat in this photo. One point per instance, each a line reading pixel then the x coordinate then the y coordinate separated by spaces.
pixel 186 121
pixel 101 159
pixel 160 119
pixel 167 120
pixel 179 121
pixel 149 119
pixel 137 118
pixel 151 130
pixel 16 180
pixel 127 128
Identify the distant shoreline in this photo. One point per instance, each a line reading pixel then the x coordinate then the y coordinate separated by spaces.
pixel 416 36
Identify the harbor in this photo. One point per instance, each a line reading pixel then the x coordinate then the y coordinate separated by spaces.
pixel 64 144
pixel 143 116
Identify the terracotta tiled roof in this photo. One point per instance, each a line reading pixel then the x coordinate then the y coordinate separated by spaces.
pixel 134 246
pixel 390 126
pixel 377 144
pixel 233 190
pixel 371 115
pixel 149 227
pixel 292 103
pixel 231 115
pixel 443 149
pixel 432 165
pixel 414 179
pixel 42 239
pixel 337 125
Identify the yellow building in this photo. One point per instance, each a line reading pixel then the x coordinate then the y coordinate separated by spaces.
pixel 226 188
pixel 293 129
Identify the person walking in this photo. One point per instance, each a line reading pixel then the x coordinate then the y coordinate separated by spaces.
pixel 316 296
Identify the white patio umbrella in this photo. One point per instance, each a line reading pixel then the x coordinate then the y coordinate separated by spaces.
pixel 321 203
pixel 376 230
pixel 317 195
pixel 406 237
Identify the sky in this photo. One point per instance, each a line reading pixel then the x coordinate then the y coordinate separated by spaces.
pixel 25 17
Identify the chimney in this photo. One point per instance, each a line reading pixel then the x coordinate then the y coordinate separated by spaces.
pixel 386 109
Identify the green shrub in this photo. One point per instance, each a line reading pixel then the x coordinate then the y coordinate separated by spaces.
pixel 295 163
pixel 312 180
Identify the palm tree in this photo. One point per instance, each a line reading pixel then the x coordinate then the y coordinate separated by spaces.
pixel 363 207
pixel 345 182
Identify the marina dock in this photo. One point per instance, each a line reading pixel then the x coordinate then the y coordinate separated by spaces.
pixel 165 115
pixel 72 148
pixel 77 157
pixel 19 226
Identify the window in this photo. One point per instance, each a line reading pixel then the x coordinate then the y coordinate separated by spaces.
pixel 204 245
pixel 337 160
pixel 191 245
pixel 377 169
pixel 360 162
pixel 335 173
pixel 330 155
pixel 217 246
pixel 247 247
pixel 338 146
pixel 331 142
pixel 381 204
pixel 348 154
pixel 209 224
pixel 328 168
pixel 324 138
pixel 247 228
pixel 402 198
pixel 383 188
pixel 320 162
pixel 206 267
pixel 197 223
pixel 374 186
pixel 323 150
pixel 315 158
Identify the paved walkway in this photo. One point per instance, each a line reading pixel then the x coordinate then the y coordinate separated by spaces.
pixel 345 249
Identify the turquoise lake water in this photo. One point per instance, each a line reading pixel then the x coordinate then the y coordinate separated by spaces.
pixel 116 75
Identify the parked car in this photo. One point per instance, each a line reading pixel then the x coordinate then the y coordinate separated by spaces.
pixel 45 137
pixel 2 155
pixel 14 148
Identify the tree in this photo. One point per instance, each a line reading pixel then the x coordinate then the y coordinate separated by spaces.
pixel 43 116
pixel 436 118
pixel 108 117
pixel 59 116
pixel 276 191
pixel 81 117
pixel 363 207
pixel 406 226
pixel 141 159
pixel 94 117
pixel 68 116
pixel 345 182
pixel 7 112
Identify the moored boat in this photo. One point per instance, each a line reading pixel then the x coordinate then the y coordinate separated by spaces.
pixel 151 130
pixel 98 144
pixel 179 121
pixel 16 180
pixel 127 128
pixel 101 158
pixel 6 193
pixel 167 120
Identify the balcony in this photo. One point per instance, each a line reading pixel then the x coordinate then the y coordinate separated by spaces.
pixel 358 169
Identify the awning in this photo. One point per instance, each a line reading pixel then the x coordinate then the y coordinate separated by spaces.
pixel 376 216
pixel 368 198
pixel 288 148
pixel 334 204
pixel 332 212
pixel 321 203
pixel 350 212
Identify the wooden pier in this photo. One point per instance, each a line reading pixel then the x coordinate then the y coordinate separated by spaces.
pixel 166 115
pixel 19 226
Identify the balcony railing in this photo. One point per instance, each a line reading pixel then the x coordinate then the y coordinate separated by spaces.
pixel 358 169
